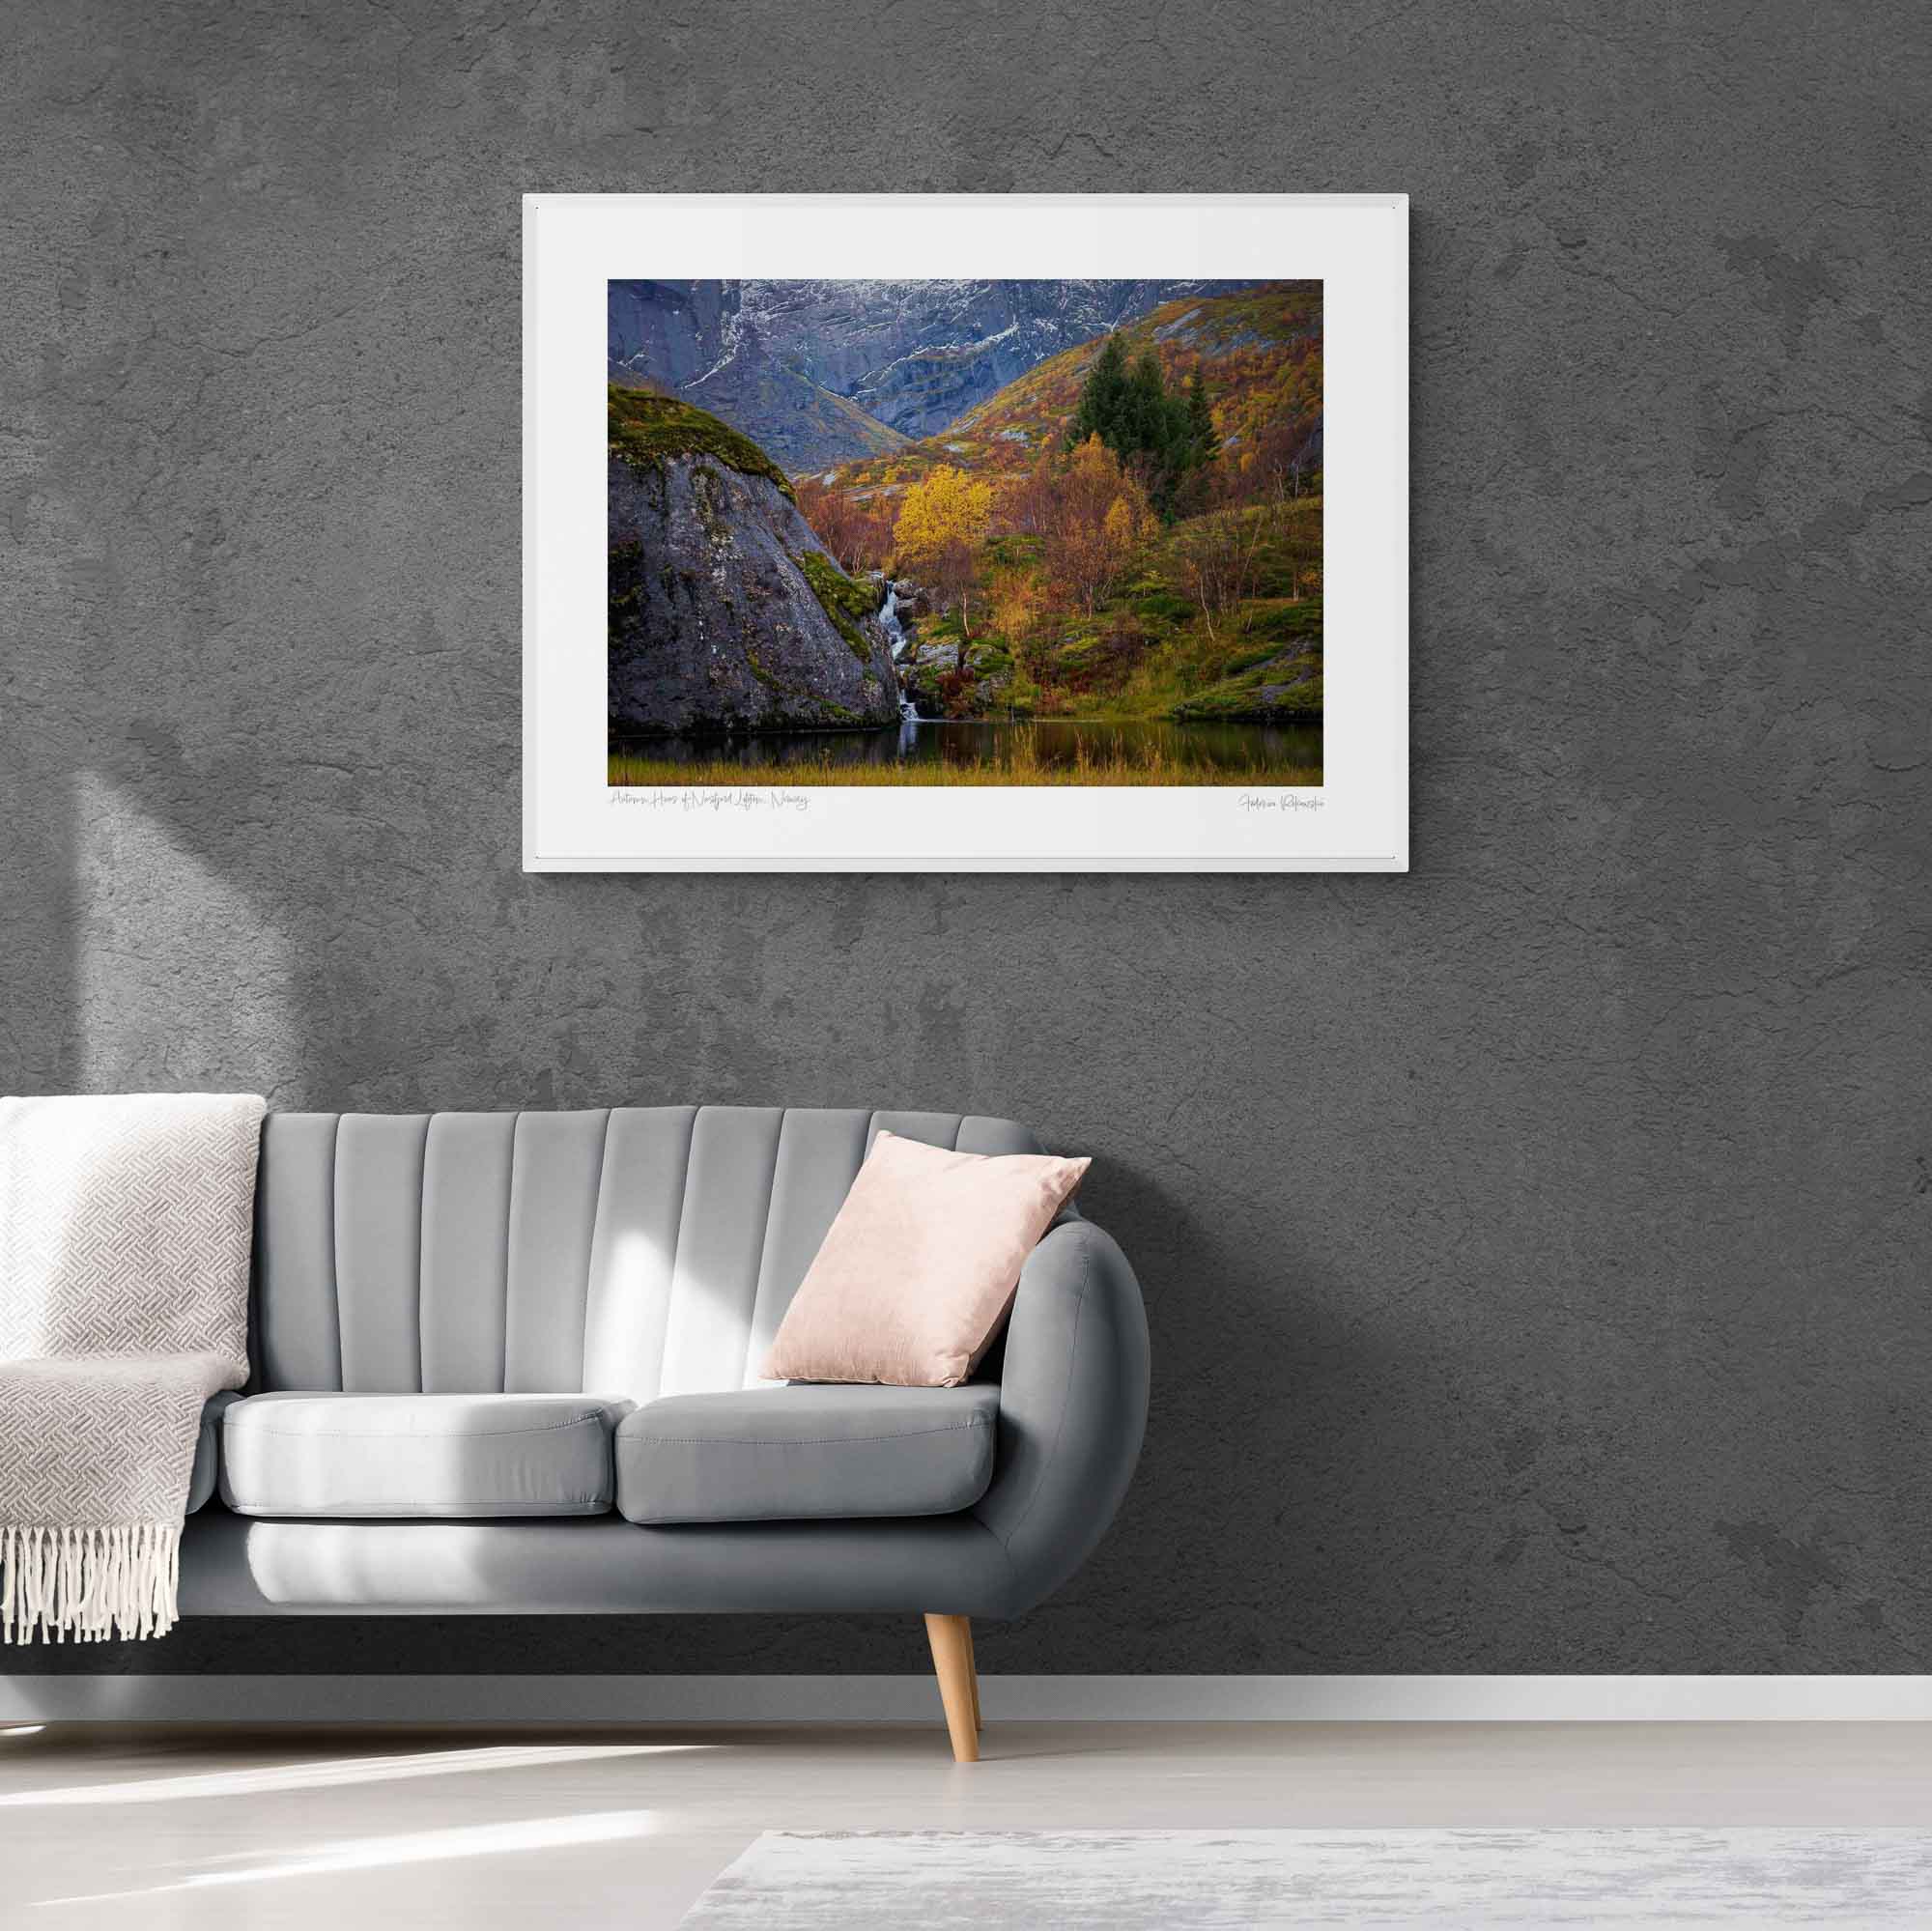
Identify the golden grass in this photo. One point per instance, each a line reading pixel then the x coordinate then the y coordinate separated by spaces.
pixel 1018 763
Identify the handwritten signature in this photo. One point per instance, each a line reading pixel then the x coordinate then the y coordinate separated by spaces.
pixel 746 799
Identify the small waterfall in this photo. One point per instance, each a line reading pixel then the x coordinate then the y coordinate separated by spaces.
pixel 896 636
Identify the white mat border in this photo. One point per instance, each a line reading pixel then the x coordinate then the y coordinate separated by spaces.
pixel 913 1698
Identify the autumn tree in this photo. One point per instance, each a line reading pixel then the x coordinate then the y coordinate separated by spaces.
pixel 1100 513
pixel 941 524
pixel 1220 557
pixel 1019 613
pixel 1028 501
pixel 856 535
pixel 1284 456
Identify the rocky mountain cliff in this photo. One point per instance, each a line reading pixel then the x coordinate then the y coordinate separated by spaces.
pixel 1258 349
pixel 725 612
pixel 820 372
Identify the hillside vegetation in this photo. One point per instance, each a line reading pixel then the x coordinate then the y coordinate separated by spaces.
pixel 1130 529
pixel 1258 352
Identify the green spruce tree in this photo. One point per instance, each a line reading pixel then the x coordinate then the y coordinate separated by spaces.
pixel 1200 419
pixel 1164 434
pixel 1103 397
pixel 1149 429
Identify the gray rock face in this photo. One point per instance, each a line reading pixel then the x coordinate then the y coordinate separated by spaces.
pixel 715 624
pixel 671 331
pixel 774 360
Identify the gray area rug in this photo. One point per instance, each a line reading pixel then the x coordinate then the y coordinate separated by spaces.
pixel 1141 1880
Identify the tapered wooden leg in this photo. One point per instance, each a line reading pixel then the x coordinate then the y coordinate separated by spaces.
pixel 972 1671
pixel 951 1640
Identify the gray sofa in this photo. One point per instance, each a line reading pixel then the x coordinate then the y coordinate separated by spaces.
pixel 506 1364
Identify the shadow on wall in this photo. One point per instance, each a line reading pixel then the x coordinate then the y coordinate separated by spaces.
pixel 39 1048
pixel 201 956
pixel 185 974
pixel 1264 1360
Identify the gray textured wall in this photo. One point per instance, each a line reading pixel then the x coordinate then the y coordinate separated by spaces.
pixel 1536 1245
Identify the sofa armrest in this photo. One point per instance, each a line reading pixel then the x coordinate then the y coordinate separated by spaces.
pixel 1073 1400
pixel 203 1475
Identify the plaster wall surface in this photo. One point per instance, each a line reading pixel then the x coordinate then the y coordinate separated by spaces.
pixel 1535 1245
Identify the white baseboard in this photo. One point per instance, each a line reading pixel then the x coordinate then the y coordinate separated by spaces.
pixel 904 1699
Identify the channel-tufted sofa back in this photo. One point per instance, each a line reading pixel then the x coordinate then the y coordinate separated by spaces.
pixel 629 1252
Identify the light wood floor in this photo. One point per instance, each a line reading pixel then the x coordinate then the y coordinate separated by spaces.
pixel 356 1830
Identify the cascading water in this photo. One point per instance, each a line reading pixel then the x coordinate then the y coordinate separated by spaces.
pixel 888 622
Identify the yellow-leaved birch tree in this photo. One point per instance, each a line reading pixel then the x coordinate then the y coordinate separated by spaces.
pixel 941 524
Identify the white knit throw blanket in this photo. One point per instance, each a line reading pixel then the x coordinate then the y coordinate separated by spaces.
pixel 126 1224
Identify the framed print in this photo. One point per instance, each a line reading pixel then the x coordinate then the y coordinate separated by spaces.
pixel 965 532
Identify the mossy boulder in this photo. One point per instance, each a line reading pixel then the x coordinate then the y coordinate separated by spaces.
pixel 725 615
pixel 646 430
pixel 847 601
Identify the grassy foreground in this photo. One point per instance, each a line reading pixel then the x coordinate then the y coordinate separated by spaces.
pixel 1017 765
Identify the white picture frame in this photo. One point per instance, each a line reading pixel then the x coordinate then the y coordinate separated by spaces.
pixel 1356 820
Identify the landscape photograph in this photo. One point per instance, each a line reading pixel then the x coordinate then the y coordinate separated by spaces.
pixel 965 532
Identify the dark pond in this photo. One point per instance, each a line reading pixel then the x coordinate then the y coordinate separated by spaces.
pixel 1171 753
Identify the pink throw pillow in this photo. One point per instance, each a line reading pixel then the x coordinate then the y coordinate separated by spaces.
pixel 919 1270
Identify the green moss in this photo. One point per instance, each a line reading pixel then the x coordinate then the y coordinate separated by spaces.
pixel 1249 658
pixel 1244 707
pixel 823 711
pixel 846 603
pixel 1286 620
pixel 623 581
pixel 1295 682
pixel 712 504
pixel 1164 607
pixel 646 430
pixel 1014 550
pixel 771 682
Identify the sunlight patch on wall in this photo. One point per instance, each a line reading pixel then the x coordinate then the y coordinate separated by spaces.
pixel 161 932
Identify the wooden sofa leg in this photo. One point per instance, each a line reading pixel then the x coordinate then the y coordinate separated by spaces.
pixel 972 1677
pixel 951 1640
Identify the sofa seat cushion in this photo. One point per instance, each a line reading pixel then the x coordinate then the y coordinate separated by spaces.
pixel 806 1452
pixel 439 1457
